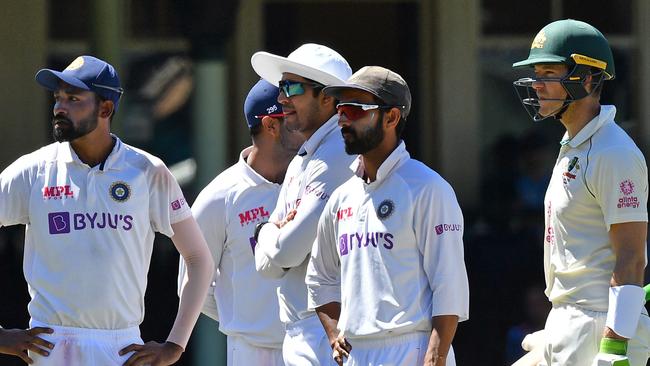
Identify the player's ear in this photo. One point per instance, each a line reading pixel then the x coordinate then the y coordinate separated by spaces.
pixel 106 108
pixel 271 125
pixel 392 117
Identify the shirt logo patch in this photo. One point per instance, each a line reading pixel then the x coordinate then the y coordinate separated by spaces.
pixel 440 229
pixel 627 187
pixel 344 213
pixel 569 175
pixel 61 223
pixel 363 240
pixel 385 209
pixel 57 192
pixel 253 215
pixel 178 204
pixel 120 191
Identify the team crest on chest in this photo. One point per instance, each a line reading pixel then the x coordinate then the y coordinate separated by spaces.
pixel 385 209
pixel 120 191
pixel 572 170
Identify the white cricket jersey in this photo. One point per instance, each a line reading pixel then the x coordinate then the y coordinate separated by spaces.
pixel 90 231
pixel 599 179
pixel 227 211
pixel 320 166
pixel 390 251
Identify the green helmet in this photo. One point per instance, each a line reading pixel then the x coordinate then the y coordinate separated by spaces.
pixel 579 46
pixel 571 42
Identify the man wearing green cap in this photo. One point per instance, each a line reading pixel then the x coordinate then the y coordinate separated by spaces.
pixel 595 206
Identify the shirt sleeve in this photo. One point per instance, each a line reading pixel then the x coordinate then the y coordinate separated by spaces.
pixel 323 277
pixel 290 246
pixel 619 183
pixel 167 205
pixel 209 210
pixel 15 188
pixel 439 236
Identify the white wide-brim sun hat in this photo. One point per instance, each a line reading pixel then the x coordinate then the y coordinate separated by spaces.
pixel 311 61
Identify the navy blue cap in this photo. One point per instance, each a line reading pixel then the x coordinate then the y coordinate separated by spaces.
pixel 262 101
pixel 87 73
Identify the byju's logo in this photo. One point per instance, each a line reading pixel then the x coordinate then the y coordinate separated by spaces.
pixel 59 222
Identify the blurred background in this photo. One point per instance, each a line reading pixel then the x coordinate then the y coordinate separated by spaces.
pixel 185 65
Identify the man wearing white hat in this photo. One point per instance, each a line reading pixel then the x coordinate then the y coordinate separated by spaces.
pixel 284 243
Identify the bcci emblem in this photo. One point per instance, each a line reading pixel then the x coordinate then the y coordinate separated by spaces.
pixel 120 191
pixel 385 209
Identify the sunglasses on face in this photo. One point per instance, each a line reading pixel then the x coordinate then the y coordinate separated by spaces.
pixel 291 88
pixel 354 111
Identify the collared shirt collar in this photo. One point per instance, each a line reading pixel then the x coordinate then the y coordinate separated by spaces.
pixel 607 113
pixel 246 169
pixel 309 146
pixel 393 161
pixel 114 161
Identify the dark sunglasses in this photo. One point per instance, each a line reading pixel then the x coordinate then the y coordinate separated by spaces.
pixel 291 88
pixel 354 111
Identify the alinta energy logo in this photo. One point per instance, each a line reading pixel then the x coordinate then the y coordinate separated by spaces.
pixel 65 222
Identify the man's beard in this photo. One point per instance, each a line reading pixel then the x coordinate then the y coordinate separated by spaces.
pixel 370 138
pixel 67 131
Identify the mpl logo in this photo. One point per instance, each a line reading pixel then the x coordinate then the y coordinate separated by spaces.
pixel 57 192
pixel 253 215
pixel 344 213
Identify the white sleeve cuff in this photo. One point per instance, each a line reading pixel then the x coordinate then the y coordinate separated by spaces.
pixel 319 295
pixel 625 303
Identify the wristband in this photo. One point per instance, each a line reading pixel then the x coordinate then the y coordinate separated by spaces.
pixel 258 228
pixel 613 346
pixel 625 304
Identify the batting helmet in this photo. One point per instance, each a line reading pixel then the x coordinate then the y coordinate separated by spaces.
pixel 576 44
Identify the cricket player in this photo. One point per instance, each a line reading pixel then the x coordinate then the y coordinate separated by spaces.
pixel 284 243
pixel 227 210
pixel 91 205
pixel 595 205
pixel 387 275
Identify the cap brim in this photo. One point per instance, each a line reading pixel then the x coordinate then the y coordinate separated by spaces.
pixel 335 90
pixel 50 79
pixel 271 67
pixel 539 60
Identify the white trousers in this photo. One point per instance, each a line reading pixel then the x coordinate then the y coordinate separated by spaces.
pixel 306 344
pixel 572 337
pixel 402 350
pixel 242 353
pixel 83 346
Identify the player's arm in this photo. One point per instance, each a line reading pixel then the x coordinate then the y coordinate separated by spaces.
pixel 190 243
pixel 628 242
pixel 288 246
pixel 438 226
pixel 621 172
pixel 323 281
pixel 211 214
pixel 444 329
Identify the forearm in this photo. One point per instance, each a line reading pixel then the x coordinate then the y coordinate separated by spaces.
pixel 444 329
pixel 194 250
pixel 329 317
